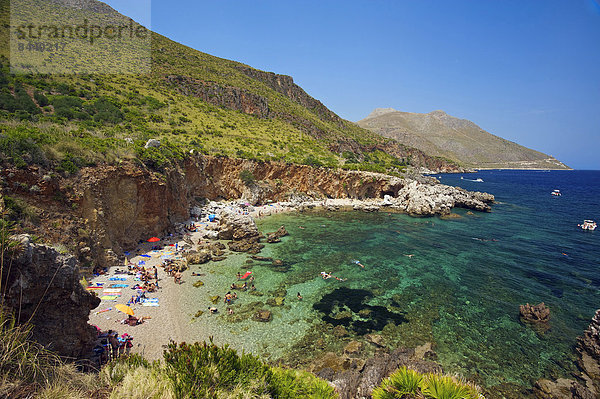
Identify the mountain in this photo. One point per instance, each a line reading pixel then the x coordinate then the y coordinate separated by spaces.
pixel 459 140
pixel 83 98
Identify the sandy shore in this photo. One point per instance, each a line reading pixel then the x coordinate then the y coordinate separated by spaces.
pixel 167 321
pixel 163 325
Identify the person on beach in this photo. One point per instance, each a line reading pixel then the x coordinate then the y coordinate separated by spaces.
pixel 252 288
pixel 212 309
pixel 239 276
pixel 177 277
pixel 299 296
pixel 358 263
pixel 325 275
pixel 229 311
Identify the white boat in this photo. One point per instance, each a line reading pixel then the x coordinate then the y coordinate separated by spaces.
pixel 556 193
pixel 588 225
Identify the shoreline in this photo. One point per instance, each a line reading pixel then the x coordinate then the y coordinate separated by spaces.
pixel 167 321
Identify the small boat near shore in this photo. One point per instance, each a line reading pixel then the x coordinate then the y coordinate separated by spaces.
pixel 478 180
pixel 556 193
pixel 588 225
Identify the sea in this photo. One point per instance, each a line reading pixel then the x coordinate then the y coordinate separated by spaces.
pixel 456 283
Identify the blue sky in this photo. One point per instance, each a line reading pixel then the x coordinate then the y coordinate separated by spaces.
pixel 524 70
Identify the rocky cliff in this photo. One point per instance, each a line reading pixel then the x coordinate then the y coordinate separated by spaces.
pixel 223 96
pixel 586 384
pixel 42 286
pixel 105 210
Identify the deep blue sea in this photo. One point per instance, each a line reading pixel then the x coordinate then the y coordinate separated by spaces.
pixel 462 284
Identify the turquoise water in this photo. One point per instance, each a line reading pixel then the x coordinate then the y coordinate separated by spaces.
pixel 460 289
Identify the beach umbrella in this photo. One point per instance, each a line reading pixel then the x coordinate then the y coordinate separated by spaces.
pixel 153 239
pixel 124 308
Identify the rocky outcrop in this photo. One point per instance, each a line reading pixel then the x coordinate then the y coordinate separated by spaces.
pixel 276 236
pixel 285 85
pixel 43 287
pixel 223 96
pixel 539 313
pixel 586 384
pixel 355 379
pixel 436 199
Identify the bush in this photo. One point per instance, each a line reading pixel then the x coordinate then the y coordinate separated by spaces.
pixel 208 371
pixel 247 177
pixel 202 370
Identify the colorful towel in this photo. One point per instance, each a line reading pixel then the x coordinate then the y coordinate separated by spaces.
pixel 118 278
pixel 109 297
pixel 150 302
pixel 94 288
pixel 112 293
pixel 112 290
pixel 246 275
pixel 118 286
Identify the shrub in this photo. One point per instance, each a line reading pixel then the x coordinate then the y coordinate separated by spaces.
pixel 202 370
pixel 402 382
pixel 208 371
pixel 445 387
pixel 247 177
pixel 406 383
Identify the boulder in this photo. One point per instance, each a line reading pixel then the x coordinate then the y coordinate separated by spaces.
pixel 534 313
pixel 152 143
pixel 375 339
pixel 233 226
pixel 276 236
pixel 263 316
pixel 198 258
pixel 353 348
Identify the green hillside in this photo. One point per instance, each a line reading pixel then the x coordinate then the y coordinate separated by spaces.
pixel 186 99
pixel 460 140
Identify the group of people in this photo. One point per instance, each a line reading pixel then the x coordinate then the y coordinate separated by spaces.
pixel 111 345
pixel 173 270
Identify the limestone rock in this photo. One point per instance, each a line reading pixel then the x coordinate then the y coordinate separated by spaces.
pixel 263 316
pixel 44 285
pixel 535 313
pixel 353 348
pixel 233 226
pixel 276 236
pixel 358 382
pixel 375 339
pixel 152 143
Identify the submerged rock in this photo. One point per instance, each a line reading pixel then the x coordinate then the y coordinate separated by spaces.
pixel 276 236
pixel 539 313
pixel 263 316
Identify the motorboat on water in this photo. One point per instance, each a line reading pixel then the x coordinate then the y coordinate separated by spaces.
pixel 478 180
pixel 556 193
pixel 588 225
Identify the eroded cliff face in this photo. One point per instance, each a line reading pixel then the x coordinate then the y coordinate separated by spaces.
pixel 105 210
pixel 42 286
pixel 223 96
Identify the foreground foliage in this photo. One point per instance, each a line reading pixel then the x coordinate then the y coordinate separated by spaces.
pixel 204 370
pixel 200 370
pixel 407 383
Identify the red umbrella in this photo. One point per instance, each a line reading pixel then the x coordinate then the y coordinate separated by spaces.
pixel 153 239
